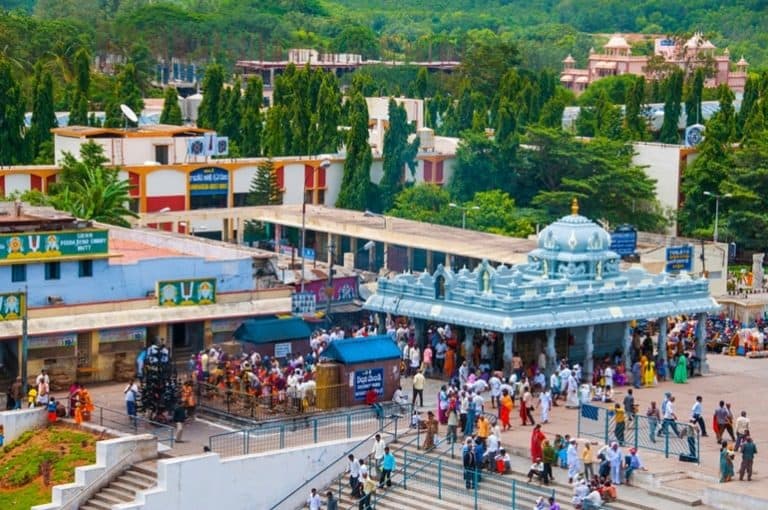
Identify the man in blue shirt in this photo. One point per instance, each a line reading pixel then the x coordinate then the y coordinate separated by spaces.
pixel 387 466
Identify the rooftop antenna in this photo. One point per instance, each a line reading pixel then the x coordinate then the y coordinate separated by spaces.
pixel 129 114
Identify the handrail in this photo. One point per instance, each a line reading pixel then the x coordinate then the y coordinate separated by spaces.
pixel 107 471
pixel 170 432
pixel 333 462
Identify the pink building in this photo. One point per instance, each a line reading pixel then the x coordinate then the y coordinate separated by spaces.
pixel 617 59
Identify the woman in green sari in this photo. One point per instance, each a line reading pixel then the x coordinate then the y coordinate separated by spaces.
pixel 681 370
pixel 726 463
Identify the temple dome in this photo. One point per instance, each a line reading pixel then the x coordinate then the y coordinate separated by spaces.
pixel 574 247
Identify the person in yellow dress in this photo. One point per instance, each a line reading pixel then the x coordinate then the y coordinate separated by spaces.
pixel 649 374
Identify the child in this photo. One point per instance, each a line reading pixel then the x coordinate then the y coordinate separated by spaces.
pixel 52 417
pixel 32 397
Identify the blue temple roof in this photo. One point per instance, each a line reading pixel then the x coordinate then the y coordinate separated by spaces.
pixel 571 279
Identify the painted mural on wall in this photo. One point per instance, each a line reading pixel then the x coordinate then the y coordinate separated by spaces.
pixel 11 306
pixel 49 245
pixel 200 291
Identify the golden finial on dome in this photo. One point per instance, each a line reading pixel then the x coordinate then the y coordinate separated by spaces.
pixel 575 206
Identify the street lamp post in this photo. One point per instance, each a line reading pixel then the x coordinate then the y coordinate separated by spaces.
pixel 329 288
pixel 464 210
pixel 717 209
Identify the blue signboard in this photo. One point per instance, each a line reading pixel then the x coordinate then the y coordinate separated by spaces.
pixel 624 240
pixel 309 254
pixel 208 181
pixel 367 379
pixel 679 258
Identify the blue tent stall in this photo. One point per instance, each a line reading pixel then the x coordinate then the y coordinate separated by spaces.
pixel 275 337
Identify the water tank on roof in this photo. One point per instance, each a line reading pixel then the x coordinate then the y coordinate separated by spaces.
pixel 426 139
pixel 191 105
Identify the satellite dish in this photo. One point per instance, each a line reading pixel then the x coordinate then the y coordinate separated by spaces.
pixel 129 113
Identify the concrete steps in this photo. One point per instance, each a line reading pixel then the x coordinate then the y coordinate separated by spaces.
pixel 124 488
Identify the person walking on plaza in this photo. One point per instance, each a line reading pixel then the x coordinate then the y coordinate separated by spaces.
pixel 654 417
pixel 723 419
pixel 377 450
pixel 620 424
pixel 505 409
pixel 697 411
pixel 469 463
pixel 670 418
pixel 742 428
pixel 548 457
pixel 726 463
pixel 545 405
pixel 681 370
pixel 432 427
pixel 369 488
pixel 418 388
pixel 179 417
pixel 537 439
pixel 526 407
pixel 573 461
pixel 131 392
pixel 616 459
pixel 331 503
pixel 388 464
pixel 748 452
pixel 588 460
pixel 314 502
pixel 354 475
pixel 629 405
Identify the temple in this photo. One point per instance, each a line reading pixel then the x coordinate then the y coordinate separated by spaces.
pixel 570 300
pixel 617 59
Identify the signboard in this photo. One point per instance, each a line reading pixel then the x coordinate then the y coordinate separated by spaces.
pixel 208 181
pixel 282 350
pixel 43 342
pixel 624 240
pixel 123 335
pixel 303 303
pixel 344 289
pixel 309 254
pixel 186 292
pixel 53 245
pixel 367 379
pixel 11 306
pixel 679 258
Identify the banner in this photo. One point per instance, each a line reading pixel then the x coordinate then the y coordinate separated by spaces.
pixel 137 334
pixel 196 146
pixel 679 258
pixel 208 181
pixel 367 379
pixel 11 306
pixel 186 292
pixel 303 303
pixel 44 342
pixel 51 245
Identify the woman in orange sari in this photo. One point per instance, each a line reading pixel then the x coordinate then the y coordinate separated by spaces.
pixel 450 362
pixel 505 409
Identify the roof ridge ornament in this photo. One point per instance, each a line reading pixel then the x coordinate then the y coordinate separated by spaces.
pixel 575 206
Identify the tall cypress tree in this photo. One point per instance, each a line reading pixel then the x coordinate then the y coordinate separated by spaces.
pixel 356 189
pixel 11 118
pixel 78 108
pixel 233 114
pixel 126 92
pixel 208 113
pixel 326 117
pixel 749 105
pixel 634 121
pixel 251 126
pixel 694 92
pixel 397 154
pixel 277 131
pixel 171 113
pixel 673 94
pixel 43 115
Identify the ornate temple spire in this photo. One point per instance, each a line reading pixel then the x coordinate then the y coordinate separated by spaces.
pixel 575 206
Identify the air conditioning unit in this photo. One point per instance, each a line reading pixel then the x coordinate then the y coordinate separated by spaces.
pixel 55 300
pixel 151 294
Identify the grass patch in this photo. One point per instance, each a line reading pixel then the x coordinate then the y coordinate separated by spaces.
pixel 21 482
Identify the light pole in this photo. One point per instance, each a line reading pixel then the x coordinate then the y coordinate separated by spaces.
pixel 371 214
pixel 464 210
pixel 24 339
pixel 717 209
pixel 329 288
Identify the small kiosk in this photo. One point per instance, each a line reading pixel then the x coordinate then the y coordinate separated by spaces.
pixel 274 337
pixel 361 364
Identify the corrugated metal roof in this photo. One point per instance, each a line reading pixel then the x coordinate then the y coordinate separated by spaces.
pixel 362 349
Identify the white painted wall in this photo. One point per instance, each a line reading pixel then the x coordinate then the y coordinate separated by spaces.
pixel 64 144
pixel 161 183
pixel 663 165
pixel 17 182
pixel 243 483
pixel 15 423
pixel 241 179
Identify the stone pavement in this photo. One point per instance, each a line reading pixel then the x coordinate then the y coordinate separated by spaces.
pixel 738 380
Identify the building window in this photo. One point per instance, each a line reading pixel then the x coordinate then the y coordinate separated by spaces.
pixel 19 273
pixel 52 270
pixel 86 269
pixel 161 154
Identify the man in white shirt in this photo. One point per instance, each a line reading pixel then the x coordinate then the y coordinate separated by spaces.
pixel 742 428
pixel 495 384
pixel 377 451
pixel 314 502
pixel 669 417
pixel 697 411
pixel 400 398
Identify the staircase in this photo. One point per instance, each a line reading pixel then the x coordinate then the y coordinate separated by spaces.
pixel 124 488
pixel 430 488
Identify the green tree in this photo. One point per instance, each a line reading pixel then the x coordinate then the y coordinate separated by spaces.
pixel 496 213
pixel 11 118
pixel 277 131
pixel 673 93
pixel 359 39
pixel 232 117
pixel 745 215
pixel 750 107
pixel 421 83
pixel 252 122
pixel 326 117
pixel 171 113
pixel 356 190
pixel 209 114
pixel 634 120
pixel 397 153
pixel 265 189
pixel 551 115
pixel 427 203
pixel 693 94
pixel 127 92
pixel 78 108
pixel 39 136
pixel 483 164
pixel 91 191
pixel 486 60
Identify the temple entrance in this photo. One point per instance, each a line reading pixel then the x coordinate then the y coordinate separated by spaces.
pixel 529 344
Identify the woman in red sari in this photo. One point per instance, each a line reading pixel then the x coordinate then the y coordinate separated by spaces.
pixel 537 437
